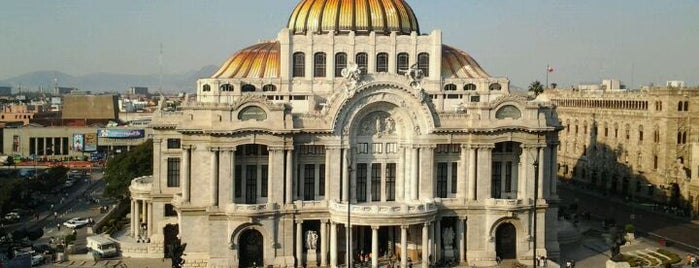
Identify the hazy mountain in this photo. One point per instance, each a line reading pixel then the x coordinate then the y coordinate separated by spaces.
pixel 101 82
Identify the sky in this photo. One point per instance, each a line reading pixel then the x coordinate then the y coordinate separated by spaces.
pixel 636 41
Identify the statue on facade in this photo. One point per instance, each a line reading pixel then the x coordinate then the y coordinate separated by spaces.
pixel 311 240
pixel 448 238
pixel 352 74
pixel 414 75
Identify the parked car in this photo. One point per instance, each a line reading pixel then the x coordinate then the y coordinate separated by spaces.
pixel 76 222
pixel 12 216
pixel 37 259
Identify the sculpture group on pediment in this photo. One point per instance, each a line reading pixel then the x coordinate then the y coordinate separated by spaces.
pixel 378 124
pixel 353 76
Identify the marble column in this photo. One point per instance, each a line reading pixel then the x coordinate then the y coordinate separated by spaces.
pixel 137 215
pixel 299 243
pixel 323 243
pixel 149 220
pixel 275 188
pixel 374 246
pixel 404 246
pixel 471 173
pixel 425 245
pixel 461 239
pixel 414 157
pixel 484 171
pixel 438 238
pixel 289 177
pixel 461 176
pixel 540 179
pixel 333 244
pixel 553 176
pixel 229 181
pixel 133 218
pixel 185 174
pixel 345 174
pixel 400 175
pixel 426 172
pixel 213 202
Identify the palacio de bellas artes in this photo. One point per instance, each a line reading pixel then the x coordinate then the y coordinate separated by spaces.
pixel 351 116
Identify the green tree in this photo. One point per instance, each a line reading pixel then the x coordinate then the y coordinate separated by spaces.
pixel 536 87
pixel 125 167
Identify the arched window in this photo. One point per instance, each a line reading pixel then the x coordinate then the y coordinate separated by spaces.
pixel 640 133
pixel 679 106
pixel 319 63
pixel 470 86
pixel 656 135
pixel 299 64
pixel 340 63
pixel 495 86
pixel 269 87
pixel 206 88
pixel 362 60
pixel 627 132
pixel 403 62
pixel 449 87
pixel 382 63
pixel 248 88
pixel 226 88
pixel 423 63
pixel 686 106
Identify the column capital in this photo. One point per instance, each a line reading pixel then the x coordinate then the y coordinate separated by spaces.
pixel 426 146
pixel 532 145
pixel 333 147
pixel 228 149
pixel 374 227
pixel 189 147
pixel 487 146
pixel 427 224
pixel 404 226
pixel 299 221
pixel 213 149
pixel 277 148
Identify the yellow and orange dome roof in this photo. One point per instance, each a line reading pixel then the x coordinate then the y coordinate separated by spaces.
pixel 360 16
pixel 458 64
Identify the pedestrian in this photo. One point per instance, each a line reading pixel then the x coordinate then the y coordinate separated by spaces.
pixel 58 226
pixel 498 260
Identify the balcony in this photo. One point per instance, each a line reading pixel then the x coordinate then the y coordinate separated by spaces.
pixel 387 213
pixel 251 209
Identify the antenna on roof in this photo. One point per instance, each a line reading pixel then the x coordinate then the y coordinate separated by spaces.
pixel 160 63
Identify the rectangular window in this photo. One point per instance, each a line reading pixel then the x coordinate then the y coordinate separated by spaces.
pixel 32 146
pixel 57 146
pixel 173 143
pixel 64 146
pixel 391 182
pixel 362 148
pixel 382 63
pixel 49 146
pixel 442 180
pixel 15 143
pixel 361 182
pixel 454 169
pixel 321 179
pixel 319 65
pixel 496 180
pixel 377 148
pixel 309 182
pixel 475 98
pixel 238 180
pixel 173 172
pixel 402 63
pixel 362 60
pixel 264 180
pixel 250 184
pixel 655 162
pixel 299 64
pixel 391 148
pixel 40 147
pixel 376 182
pixel 508 177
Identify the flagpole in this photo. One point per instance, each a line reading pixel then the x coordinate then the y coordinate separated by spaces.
pixel 548 67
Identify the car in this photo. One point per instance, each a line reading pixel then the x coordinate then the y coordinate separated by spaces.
pixel 12 216
pixel 37 259
pixel 76 222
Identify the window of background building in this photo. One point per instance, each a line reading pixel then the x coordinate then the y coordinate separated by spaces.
pixel 361 182
pixel 402 61
pixel 362 60
pixel 442 180
pixel 340 63
pixel 391 182
pixel 319 64
pixel 470 87
pixel 321 179
pixel 299 64
pixel 375 182
pixel 423 63
pixel 382 63
pixel 173 143
pixel 173 172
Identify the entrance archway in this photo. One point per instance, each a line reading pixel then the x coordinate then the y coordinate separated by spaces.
pixel 170 233
pixel 250 249
pixel 506 241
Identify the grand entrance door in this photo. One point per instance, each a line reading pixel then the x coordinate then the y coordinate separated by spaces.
pixel 170 233
pixel 250 249
pixel 505 241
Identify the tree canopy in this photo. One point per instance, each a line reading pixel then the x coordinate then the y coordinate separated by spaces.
pixel 536 87
pixel 125 167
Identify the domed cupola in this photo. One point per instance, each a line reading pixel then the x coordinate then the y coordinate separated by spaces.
pixel 360 16
pixel 257 61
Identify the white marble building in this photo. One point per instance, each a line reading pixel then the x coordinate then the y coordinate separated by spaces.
pixel 351 105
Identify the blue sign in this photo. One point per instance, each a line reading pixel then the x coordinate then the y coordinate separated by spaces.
pixel 121 133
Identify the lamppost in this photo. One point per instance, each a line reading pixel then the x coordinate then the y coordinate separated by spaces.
pixel 349 211
pixel 536 197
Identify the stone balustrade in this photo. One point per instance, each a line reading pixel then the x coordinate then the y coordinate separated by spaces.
pixel 384 209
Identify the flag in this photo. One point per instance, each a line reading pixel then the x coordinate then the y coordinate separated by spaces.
pixel 549 69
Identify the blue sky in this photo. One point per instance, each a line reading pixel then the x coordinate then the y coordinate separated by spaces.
pixel 639 41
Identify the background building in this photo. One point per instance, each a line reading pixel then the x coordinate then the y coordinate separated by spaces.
pixel 355 112
pixel 636 144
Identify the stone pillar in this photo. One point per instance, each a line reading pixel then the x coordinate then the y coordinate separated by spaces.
pixel 523 177
pixel 540 179
pixel 137 215
pixel 426 171
pixel 404 246
pixel 333 244
pixel 345 174
pixel 213 186
pixel 554 169
pixel 484 171
pixel 425 245
pixel 438 239
pixel 299 243
pixel 324 242
pixel 150 218
pixel 471 173
pixel 133 218
pixel 461 238
pixel 229 182
pixel 275 176
pixel 289 198
pixel 414 173
pixel 374 246
pixel 461 174
pixel 400 175
pixel 185 174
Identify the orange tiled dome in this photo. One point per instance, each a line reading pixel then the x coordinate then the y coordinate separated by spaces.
pixel 257 61
pixel 459 64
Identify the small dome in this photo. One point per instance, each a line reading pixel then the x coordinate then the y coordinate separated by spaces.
pixel 458 64
pixel 257 61
pixel 361 16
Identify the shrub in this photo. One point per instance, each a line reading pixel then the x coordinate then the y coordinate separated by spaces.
pixel 629 228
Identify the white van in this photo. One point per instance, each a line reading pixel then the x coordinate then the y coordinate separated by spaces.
pixel 103 246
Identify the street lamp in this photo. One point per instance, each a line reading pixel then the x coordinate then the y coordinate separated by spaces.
pixel 349 211
pixel 536 197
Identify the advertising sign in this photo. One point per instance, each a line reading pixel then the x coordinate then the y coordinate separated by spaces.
pixel 121 133
pixel 78 142
pixel 90 142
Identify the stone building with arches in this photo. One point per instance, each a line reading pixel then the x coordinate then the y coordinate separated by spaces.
pixel 352 117
pixel 639 144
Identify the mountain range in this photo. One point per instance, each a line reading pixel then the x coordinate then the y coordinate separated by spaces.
pixel 109 82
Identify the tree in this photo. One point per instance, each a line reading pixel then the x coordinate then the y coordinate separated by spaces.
pixel 536 87
pixel 125 167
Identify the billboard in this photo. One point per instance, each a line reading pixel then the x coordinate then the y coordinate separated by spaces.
pixel 78 142
pixel 121 133
pixel 90 142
